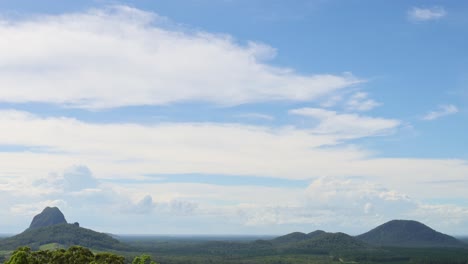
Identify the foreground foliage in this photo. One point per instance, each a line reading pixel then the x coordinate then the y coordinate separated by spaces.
pixel 75 255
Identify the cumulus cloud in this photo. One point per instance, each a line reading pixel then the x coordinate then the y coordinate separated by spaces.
pixel 362 198
pixel 360 102
pixel 352 204
pixel 426 14
pixel 443 110
pixel 73 179
pixel 144 206
pixel 121 56
pixel 347 126
pixel 78 178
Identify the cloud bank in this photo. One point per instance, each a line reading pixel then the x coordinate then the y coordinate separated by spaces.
pixel 123 56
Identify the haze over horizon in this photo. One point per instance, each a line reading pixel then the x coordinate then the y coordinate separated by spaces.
pixel 234 117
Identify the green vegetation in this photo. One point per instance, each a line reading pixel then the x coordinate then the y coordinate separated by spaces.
pixel 329 248
pixel 143 259
pixel 64 234
pixel 75 255
pixel 320 248
pixel 51 246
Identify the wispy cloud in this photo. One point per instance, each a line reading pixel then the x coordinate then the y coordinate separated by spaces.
pixel 426 14
pixel 66 60
pixel 347 126
pixel 360 102
pixel 442 110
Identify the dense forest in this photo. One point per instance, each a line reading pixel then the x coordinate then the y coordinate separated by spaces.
pixel 75 255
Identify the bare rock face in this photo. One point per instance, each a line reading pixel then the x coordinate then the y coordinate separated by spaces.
pixel 48 217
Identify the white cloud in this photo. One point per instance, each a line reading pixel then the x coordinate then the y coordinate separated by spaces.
pixel 144 206
pixel 361 196
pixel 332 100
pixel 28 209
pixel 442 111
pixel 348 204
pixel 78 178
pixel 360 102
pixel 347 126
pixel 326 201
pixel 122 56
pixel 163 148
pixel 208 148
pixel 426 14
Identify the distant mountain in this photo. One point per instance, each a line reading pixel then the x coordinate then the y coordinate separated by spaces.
pixel 316 233
pixel 63 234
pixel 331 242
pixel 290 238
pixel 50 226
pixel 48 217
pixel 408 233
pixel 318 242
pixel 296 237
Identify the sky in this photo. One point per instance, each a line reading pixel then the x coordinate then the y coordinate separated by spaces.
pixel 234 116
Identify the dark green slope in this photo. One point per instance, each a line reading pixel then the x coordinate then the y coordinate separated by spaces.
pixel 408 233
pixel 327 243
pixel 316 233
pixel 290 238
pixel 64 234
pixel 48 217
pixel 296 237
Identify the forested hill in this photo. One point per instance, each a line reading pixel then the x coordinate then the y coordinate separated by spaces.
pixel 408 233
pixel 50 226
pixel 319 242
pixel 63 234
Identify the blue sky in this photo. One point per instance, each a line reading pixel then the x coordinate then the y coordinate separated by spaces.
pixel 234 117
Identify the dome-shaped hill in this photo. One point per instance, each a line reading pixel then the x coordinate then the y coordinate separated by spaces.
pixel 290 238
pixel 316 233
pixel 408 233
pixel 330 242
pixel 318 242
pixel 297 237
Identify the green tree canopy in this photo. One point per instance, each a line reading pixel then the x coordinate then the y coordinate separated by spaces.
pixel 73 255
pixel 143 259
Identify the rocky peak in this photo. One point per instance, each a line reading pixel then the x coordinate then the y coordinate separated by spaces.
pixel 48 217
